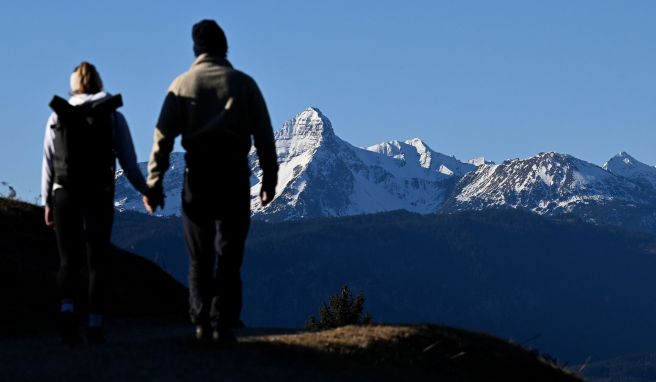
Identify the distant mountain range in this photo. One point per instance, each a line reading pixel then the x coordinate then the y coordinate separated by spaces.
pixel 621 192
pixel 322 175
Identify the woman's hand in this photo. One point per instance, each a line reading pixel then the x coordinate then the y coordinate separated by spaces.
pixel 48 217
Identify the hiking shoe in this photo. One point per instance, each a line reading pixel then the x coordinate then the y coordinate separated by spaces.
pixel 224 336
pixel 95 335
pixel 68 329
pixel 203 332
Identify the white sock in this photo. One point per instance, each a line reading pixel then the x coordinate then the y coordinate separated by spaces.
pixel 95 320
pixel 67 307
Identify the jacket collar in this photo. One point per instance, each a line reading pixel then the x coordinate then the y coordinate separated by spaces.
pixel 206 58
pixel 82 98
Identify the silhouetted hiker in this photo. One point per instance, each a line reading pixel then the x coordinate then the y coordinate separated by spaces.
pixel 217 110
pixel 83 138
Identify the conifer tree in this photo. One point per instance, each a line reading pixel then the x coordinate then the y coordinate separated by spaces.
pixel 341 309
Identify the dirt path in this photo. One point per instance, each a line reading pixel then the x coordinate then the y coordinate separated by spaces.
pixel 149 351
pixel 160 353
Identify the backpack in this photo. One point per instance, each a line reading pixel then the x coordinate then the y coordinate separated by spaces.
pixel 84 155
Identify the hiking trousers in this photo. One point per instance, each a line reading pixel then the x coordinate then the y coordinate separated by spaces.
pixel 215 235
pixel 83 226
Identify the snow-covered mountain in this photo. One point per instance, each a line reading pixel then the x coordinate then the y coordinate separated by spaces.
pixel 627 166
pixel 553 184
pixel 322 175
pixel 545 183
pixel 7 191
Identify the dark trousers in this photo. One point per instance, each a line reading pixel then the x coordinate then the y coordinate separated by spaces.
pixel 83 226
pixel 215 235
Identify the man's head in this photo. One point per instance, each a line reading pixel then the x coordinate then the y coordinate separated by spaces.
pixel 209 38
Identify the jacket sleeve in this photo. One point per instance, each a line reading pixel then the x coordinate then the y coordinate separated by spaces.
pixel 263 139
pixel 168 128
pixel 47 165
pixel 126 155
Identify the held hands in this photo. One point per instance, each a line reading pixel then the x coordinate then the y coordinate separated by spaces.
pixel 153 198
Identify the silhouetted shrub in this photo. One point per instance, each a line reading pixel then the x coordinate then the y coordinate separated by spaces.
pixel 341 309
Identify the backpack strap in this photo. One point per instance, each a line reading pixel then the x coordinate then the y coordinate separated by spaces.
pixel 61 106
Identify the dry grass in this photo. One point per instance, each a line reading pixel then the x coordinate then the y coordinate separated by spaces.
pixel 424 350
pixel 345 339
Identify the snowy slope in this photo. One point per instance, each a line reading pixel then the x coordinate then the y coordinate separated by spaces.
pixel 548 183
pixel 414 151
pixel 478 161
pixel 627 166
pixel 322 175
pixel 127 198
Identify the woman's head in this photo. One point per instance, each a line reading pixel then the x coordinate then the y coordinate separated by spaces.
pixel 85 79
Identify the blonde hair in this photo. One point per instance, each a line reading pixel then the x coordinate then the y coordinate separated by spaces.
pixel 85 79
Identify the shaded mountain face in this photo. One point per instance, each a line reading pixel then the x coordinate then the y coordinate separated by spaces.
pixel 568 288
pixel 28 268
pixel 321 175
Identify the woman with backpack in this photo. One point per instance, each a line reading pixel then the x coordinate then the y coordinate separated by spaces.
pixel 83 139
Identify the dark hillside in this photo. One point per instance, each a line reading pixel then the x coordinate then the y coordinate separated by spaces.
pixel 28 267
pixel 164 350
pixel 565 287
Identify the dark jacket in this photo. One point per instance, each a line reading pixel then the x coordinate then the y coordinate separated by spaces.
pixel 218 111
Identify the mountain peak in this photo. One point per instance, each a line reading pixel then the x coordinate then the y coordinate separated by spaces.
pixel 547 156
pixel 624 157
pixel 627 166
pixel 479 161
pixel 622 160
pixel 552 155
pixel 420 145
pixel 310 123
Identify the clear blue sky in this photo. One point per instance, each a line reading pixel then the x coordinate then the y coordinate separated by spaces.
pixel 503 79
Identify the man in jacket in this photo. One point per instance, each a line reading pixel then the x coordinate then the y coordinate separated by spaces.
pixel 218 111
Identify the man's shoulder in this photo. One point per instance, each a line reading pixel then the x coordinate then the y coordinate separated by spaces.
pixel 177 83
pixel 243 77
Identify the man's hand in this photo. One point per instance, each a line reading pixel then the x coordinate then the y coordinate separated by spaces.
pixel 152 199
pixel 147 205
pixel 50 222
pixel 266 196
